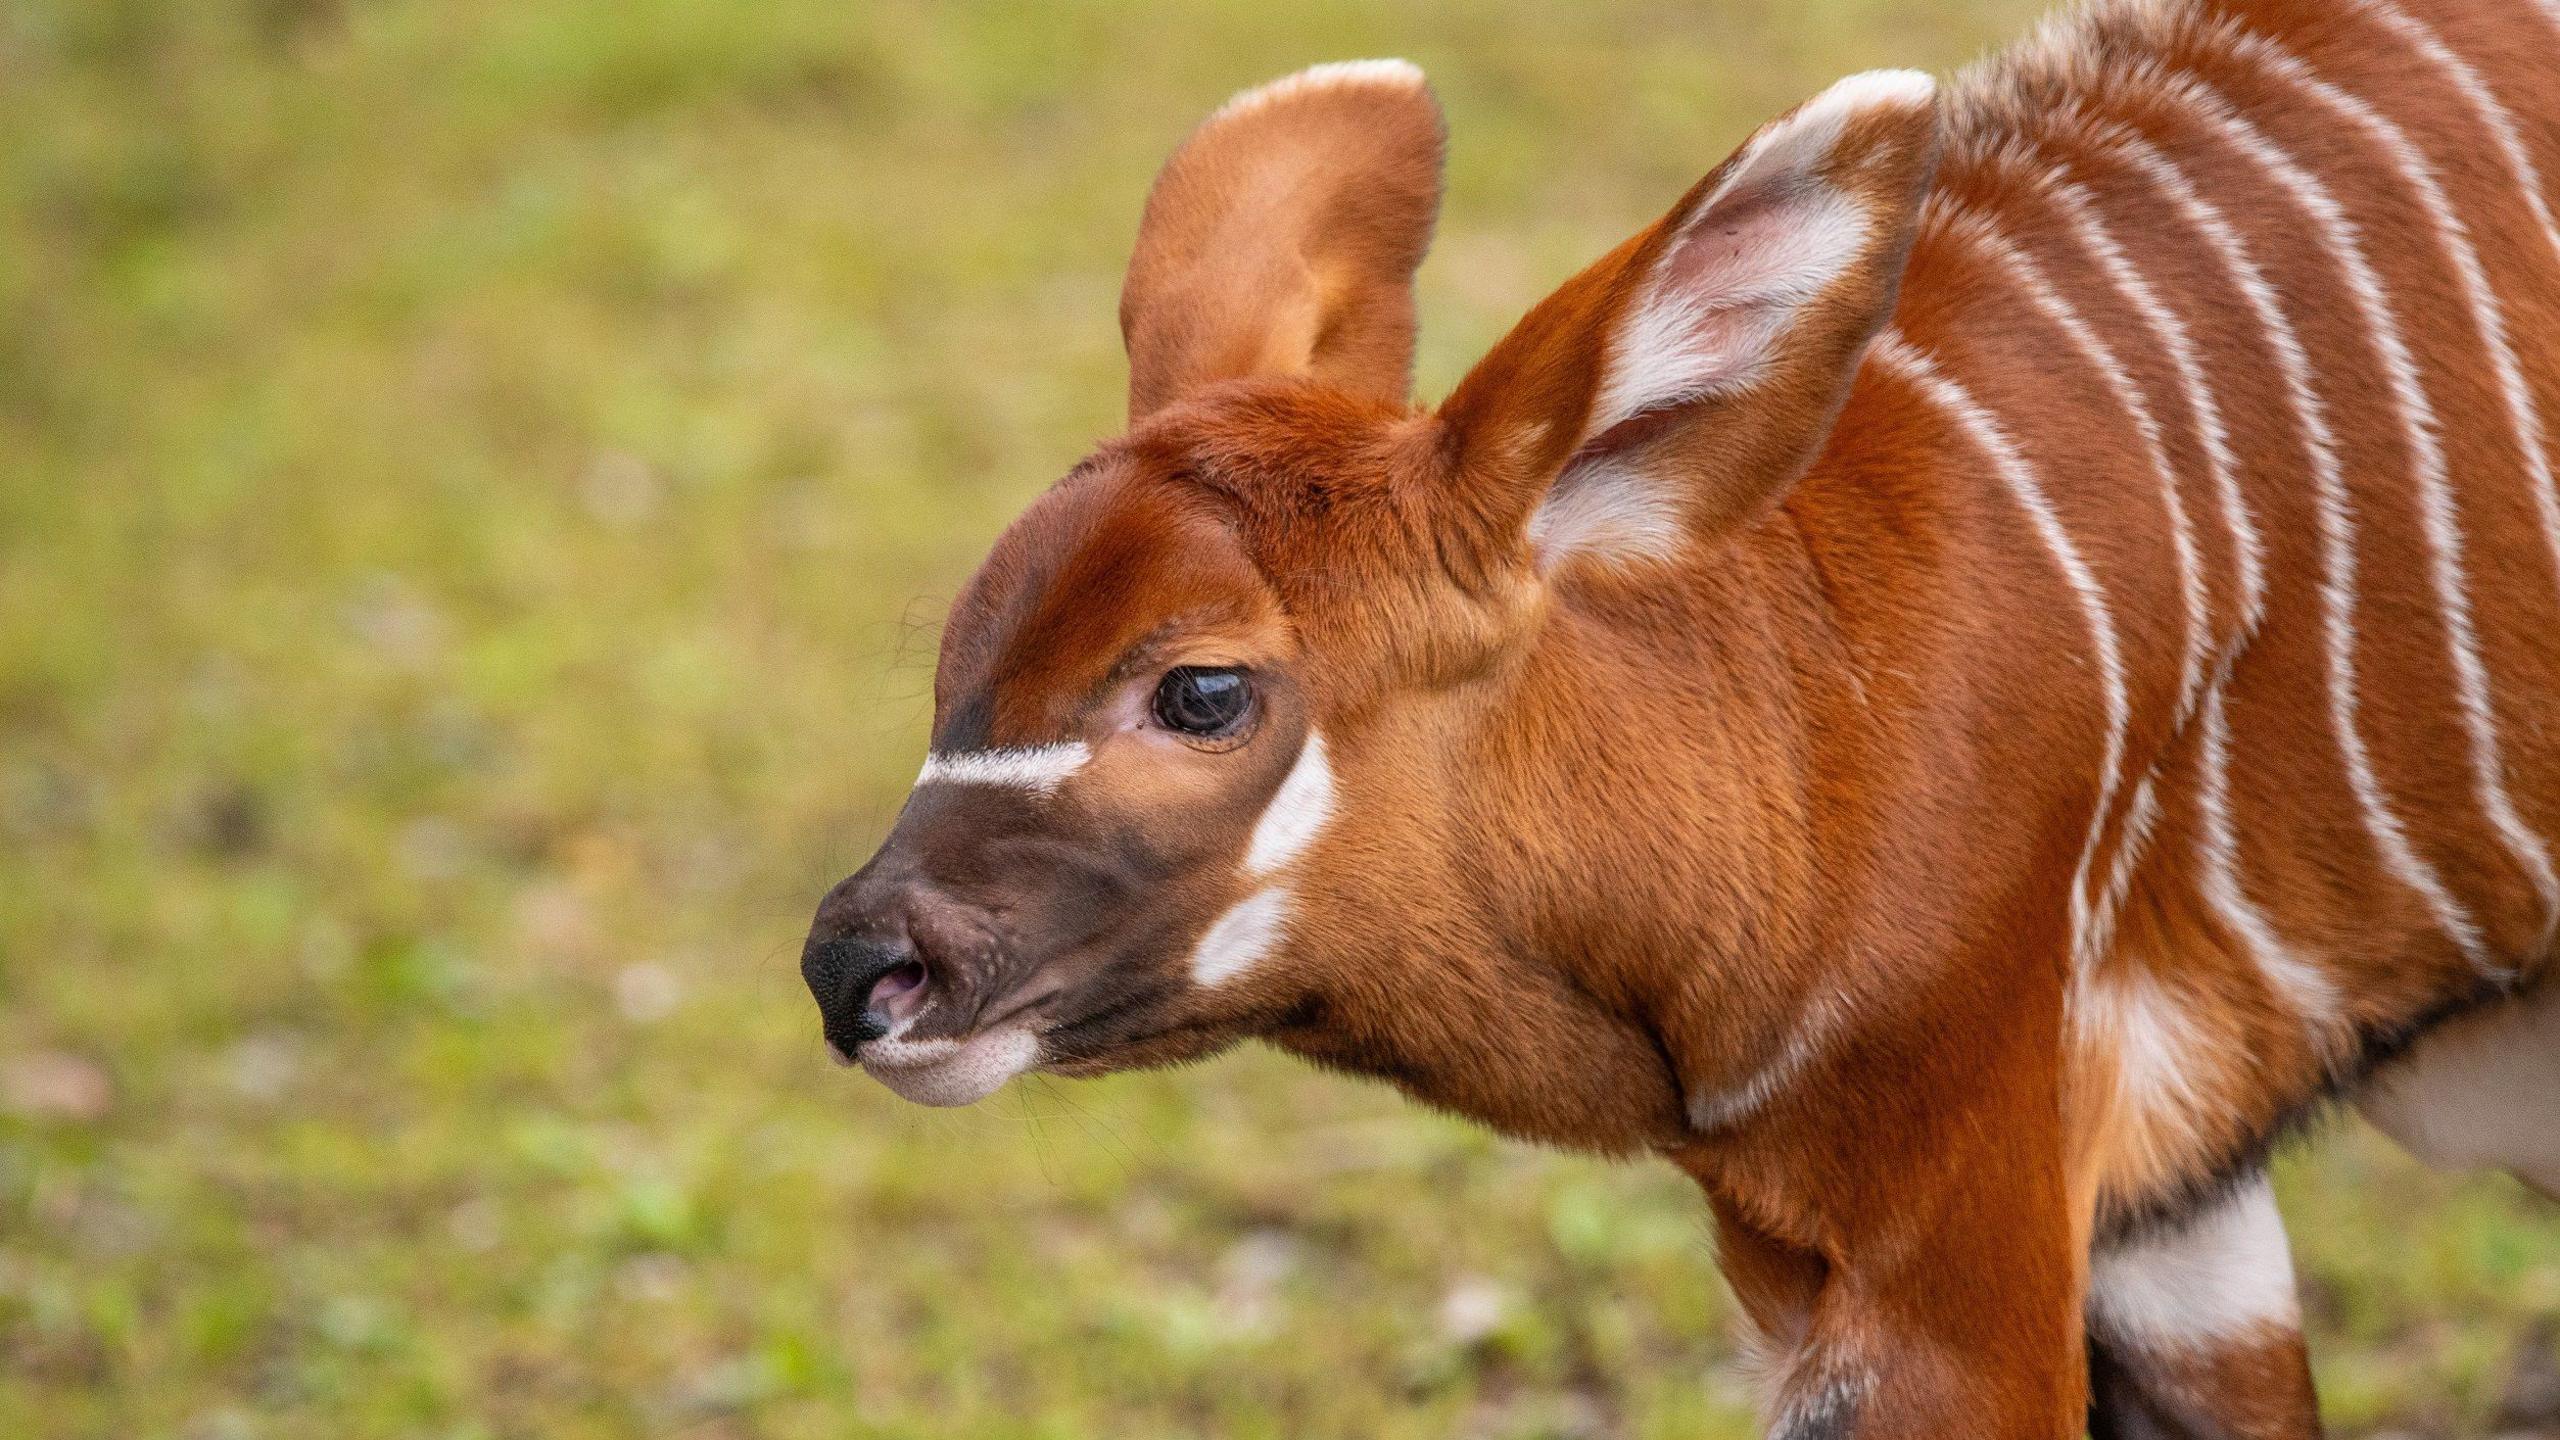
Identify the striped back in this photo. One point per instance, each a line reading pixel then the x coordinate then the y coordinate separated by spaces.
pixel 2246 317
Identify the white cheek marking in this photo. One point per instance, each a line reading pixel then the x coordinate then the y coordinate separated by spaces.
pixel 1041 770
pixel 2225 1274
pixel 1239 939
pixel 1254 926
pixel 1297 811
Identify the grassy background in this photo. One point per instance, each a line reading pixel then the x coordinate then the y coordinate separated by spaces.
pixel 477 482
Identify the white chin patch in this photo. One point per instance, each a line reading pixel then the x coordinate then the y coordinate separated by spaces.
pixel 951 1072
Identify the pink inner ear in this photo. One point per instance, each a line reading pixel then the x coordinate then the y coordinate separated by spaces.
pixel 1724 294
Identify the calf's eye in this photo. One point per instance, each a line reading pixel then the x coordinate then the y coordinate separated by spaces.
pixel 1203 701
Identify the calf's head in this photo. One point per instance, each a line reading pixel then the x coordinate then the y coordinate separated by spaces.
pixel 1237 728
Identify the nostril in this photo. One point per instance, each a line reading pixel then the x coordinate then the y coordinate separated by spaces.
pixel 900 992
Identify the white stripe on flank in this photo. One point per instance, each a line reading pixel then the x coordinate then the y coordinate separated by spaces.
pixel 2337 517
pixel 2438 508
pixel 2224 1275
pixel 1898 353
pixel 2304 986
pixel 2484 101
pixel 1297 811
pixel 1041 770
pixel 1982 231
pixel 2248 554
pixel 2550 11
pixel 2141 814
pixel 2217 845
pixel 2502 126
pixel 2311 990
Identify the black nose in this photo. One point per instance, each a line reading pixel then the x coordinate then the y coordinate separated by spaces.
pixel 841 974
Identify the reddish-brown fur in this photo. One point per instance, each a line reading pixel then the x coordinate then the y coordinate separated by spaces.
pixel 1758 854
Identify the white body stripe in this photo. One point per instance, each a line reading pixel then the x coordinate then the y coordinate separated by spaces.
pixel 2313 993
pixel 1982 231
pixel 2248 552
pixel 2225 1275
pixel 2141 816
pixel 1897 353
pixel 1040 770
pixel 2528 178
pixel 2337 517
pixel 2309 990
pixel 2030 277
pixel 2438 508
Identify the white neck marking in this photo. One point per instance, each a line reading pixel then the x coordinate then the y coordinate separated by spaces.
pixel 1238 940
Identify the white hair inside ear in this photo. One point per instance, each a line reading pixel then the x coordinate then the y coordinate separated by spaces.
pixel 1767 241
pixel 1772 238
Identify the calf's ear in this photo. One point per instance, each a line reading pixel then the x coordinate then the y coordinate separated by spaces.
pixel 1281 239
pixel 1692 373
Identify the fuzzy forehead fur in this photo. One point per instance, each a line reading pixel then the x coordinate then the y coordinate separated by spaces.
pixel 1208 535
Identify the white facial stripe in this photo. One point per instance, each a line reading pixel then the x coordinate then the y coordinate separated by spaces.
pixel 1041 770
pixel 1238 940
pixel 1254 926
pixel 1297 811
pixel 2225 1274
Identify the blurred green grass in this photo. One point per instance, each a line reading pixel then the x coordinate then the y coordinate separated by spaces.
pixel 478 481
